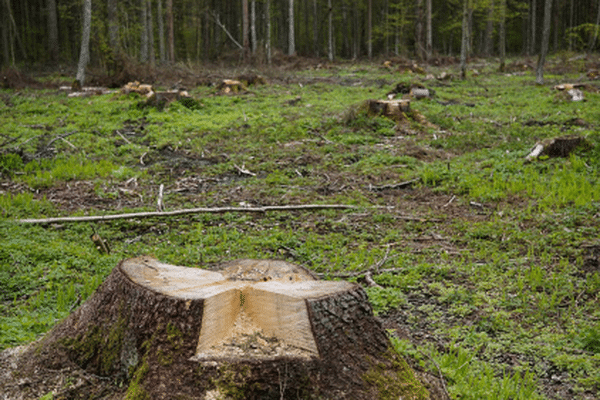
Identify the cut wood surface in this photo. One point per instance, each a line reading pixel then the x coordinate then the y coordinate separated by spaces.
pixel 249 325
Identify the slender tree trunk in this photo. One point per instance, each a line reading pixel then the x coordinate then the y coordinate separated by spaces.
pixel 170 31
pixel 464 43
pixel 571 25
pixel 150 25
pixel 370 29
pixel 161 32
pixel 315 29
pixel 502 35
pixel 539 74
pixel 268 23
pixel 52 30
pixel 245 29
pixel 253 25
pixel 429 44
pixel 84 54
pixel 489 31
pixel 330 54
pixel 144 31
pixel 6 47
pixel 113 25
pixel 15 31
pixel 595 37
pixel 532 42
pixel 292 36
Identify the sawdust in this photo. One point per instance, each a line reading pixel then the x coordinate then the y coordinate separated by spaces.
pixel 246 340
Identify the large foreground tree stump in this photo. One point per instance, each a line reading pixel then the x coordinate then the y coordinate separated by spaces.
pixel 252 329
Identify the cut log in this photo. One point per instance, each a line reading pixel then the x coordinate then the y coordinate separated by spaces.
pixel 251 329
pixel 231 86
pixel 389 108
pixel 556 147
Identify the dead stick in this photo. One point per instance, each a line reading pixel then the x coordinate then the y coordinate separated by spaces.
pixel 217 210
pixel 441 376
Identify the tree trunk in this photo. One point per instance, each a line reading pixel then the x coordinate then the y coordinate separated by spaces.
pixel 291 36
pixel 419 43
pixel 532 41
pixel 502 35
pixel 539 73
pixel 245 29
pixel 370 29
pixel 595 37
pixel 268 23
pixel 330 54
pixel 429 44
pixel 52 30
pixel 144 31
pixel 252 328
pixel 84 54
pixel 464 43
pixel 150 25
pixel 170 31
pixel 253 26
pixel 161 33
pixel 113 25
pixel 489 31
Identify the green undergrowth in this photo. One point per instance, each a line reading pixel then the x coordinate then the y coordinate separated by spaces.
pixel 488 262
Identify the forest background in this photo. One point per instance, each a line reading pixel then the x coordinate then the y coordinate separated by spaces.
pixel 49 32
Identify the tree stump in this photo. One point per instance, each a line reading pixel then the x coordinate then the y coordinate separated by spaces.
pixel 251 329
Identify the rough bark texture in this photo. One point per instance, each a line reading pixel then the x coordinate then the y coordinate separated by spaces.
pixel 148 341
pixel 539 73
pixel 84 55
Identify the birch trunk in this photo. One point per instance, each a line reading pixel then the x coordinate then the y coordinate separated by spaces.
pixel 84 54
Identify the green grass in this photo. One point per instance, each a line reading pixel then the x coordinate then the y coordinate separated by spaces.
pixel 488 269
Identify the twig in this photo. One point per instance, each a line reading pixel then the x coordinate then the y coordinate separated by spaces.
pixel 217 210
pixel 441 376
pixel 123 137
pixel 394 185
pixel 449 202
pixel 243 170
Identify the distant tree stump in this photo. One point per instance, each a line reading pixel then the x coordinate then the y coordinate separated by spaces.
pixel 252 329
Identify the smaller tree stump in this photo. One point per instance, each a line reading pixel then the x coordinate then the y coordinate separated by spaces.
pixel 251 329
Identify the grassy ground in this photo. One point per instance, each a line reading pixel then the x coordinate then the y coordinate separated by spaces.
pixel 488 266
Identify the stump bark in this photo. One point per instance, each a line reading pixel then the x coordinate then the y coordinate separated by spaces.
pixel 251 329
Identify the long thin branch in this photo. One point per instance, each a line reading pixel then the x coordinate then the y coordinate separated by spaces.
pixel 218 22
pixel 217 210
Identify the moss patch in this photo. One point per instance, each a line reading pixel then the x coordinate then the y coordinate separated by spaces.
pixel 395 381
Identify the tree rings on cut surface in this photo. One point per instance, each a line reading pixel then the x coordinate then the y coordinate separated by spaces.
pixel 249 329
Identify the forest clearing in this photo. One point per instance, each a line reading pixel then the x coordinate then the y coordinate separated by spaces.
pixel 483 265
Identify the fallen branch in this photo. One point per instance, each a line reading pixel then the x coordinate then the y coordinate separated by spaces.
pixel 217 210
pixel 394 185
